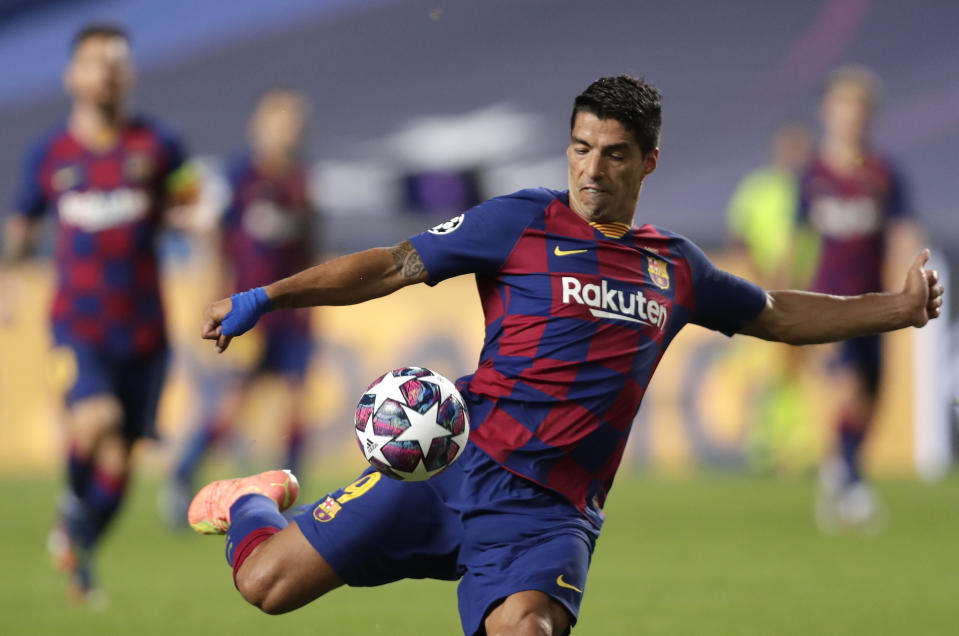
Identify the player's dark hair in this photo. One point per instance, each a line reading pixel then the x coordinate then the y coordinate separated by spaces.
pixel 97 30
pixel 630 101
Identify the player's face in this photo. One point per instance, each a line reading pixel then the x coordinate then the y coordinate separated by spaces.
pixel 847 111
pixel 278 124
pixel 606 169
pixel 100 71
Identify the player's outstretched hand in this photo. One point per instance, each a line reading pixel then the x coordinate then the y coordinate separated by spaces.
pixel 923 291
pixel 234 316
pixel 213 323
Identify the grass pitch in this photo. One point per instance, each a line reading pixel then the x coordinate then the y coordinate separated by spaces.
pixel 703 555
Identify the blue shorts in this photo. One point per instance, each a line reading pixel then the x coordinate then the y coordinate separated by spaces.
pixel 864 356
pixel 286 354
pixel 496 532
pixel 135 381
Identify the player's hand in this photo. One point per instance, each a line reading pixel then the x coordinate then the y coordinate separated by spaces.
pixel 234 316
pixel 213 323
pixel 922 292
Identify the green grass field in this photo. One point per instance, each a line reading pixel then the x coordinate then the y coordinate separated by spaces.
pixel 704 555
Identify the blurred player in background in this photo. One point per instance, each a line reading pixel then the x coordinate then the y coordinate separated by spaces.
pixel 580 305
pixel 268 232
pixel 761 218
pixel 854 201
pixel 112 179
pixel 761 215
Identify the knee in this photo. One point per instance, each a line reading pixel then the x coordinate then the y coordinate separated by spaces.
pixel 269 586
pixel 532 624
pixel 261 585
pixel 528 614
pixel 92 419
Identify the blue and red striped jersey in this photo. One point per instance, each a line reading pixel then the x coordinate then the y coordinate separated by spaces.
pixel 577 319
pixel 851 213
pixel 268 232
pixel 109 209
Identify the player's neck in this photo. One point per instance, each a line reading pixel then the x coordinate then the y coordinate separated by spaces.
pixel 95 126
pixel 275 163
pixel 842 156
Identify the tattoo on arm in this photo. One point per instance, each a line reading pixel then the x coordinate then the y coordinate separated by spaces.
pixel 407 260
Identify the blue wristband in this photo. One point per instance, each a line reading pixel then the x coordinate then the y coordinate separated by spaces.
pixel 246 309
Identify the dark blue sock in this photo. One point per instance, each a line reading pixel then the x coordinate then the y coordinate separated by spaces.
pixel 78 473
pixel 194 450
pixel 103 498
pixel 294 449
pixel 248 514
pixel 850 444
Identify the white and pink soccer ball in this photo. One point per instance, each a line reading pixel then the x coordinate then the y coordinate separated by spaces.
pixel 411 423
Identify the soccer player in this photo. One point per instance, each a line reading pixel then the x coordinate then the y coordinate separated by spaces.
pixel 110 177
pixel 267 233
pixel 853 200
pixel 580 306
pixel 762 211
pixel 761 216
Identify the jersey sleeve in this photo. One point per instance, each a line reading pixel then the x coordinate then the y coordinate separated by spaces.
pixel 724 302
pixel 479 240
pixel 898 204
pixel 235 175
pixel 179 173
pixel 30 199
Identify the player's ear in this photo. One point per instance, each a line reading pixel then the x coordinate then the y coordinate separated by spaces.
pixel 650 161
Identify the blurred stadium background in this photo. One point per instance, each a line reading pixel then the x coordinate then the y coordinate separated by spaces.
pixel 423 108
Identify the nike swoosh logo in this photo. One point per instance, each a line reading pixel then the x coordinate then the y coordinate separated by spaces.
pixel 559 579
pixel 560 252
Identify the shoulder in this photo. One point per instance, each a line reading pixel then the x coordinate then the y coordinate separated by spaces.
pixel 673 246
pixel 45 142
pixel 885 166
pixel 667 239
pixel 168 134
pixel 239 166
pixel 529 200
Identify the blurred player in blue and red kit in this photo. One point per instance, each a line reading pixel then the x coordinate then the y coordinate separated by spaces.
pixel 113 180
pixel 853 199
pixel 269 231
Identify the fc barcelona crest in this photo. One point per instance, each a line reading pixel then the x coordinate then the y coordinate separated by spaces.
pixel 658 272
pixel 326 509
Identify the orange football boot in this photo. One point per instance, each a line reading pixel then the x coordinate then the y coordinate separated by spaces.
pixel 209 511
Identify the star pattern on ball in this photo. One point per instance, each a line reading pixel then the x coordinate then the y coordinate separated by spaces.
pixel 426 432
pixel 389 387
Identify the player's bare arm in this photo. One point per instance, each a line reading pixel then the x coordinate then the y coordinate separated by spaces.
pixel 801 318
pixel 18 243
pixel 347 280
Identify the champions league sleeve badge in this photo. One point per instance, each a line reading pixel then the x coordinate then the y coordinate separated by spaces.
pixel 447 226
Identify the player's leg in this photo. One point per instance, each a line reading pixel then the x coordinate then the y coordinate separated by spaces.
pixel 526 553
pixel 373 531
pixel 105 426
pixel 528 613
pixel 96 467
pixel 296 432
pixel 288 354
pixel 846 493
pixel 213 427
pixel 284 573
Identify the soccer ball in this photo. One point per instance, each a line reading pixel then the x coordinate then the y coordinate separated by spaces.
pixel 411 423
